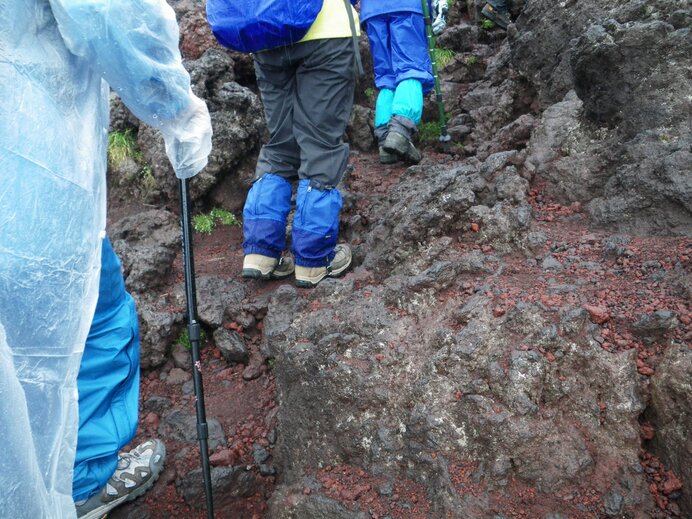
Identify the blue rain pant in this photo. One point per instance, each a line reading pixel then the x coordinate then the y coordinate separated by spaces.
pixel 403 71
pixel 108 381
pixel 307 91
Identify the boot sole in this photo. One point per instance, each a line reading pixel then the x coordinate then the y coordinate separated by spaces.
pixel 251 273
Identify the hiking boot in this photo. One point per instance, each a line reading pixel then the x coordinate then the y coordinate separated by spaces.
pixel 257 266
pixel 403 148
pixel 386 157
pixel 136 473
pixel 308 277
pixel 500 18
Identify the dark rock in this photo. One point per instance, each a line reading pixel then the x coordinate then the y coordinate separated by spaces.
pixel 293 504
pixel 181 426
pixel 228 485
pixel 231 345
pixel 670 413
pixel 146 243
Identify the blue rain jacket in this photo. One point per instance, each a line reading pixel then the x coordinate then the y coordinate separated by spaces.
pixel 54 58
pixel 108 381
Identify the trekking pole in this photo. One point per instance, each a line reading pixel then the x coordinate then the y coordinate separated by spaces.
pixel 193 330
pixel 444 135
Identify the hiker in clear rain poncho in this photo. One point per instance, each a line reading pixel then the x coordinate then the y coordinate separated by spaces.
pixel 307 82
pixel 403 70
pixel 57 58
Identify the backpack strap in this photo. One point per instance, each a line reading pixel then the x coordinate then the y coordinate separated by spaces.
pixel 354 37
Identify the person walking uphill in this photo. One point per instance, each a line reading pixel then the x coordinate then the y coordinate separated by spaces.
pixel 403 71
pixel 57 58
pixel 306 82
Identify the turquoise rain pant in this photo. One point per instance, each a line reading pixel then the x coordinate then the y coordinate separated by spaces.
pixel 108 381
pixel 406 101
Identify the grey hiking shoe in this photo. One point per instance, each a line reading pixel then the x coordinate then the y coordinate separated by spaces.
pixel 308 277
pixel 399 145
pixel 386 157
pixel 501 18
pixel 137 472
pixel 257 266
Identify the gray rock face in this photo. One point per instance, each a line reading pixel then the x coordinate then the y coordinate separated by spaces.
pixel 460 394
pixel 622 144
pixel 671 409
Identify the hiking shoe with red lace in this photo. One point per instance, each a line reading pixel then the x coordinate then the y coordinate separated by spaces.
pixel 136 473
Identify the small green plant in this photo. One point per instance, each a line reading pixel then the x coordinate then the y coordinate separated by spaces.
pixel 225 217
pixel 429 132
pixel 443 56
pixel 203 223
pixel 472 60
pixel 184 338
pixel 487 24
pixel 123 145
pixel 206 223
pixel 371 94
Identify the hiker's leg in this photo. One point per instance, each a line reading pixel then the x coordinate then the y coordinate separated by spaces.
pixel 264 216
pixel 322 108
pixel 316 224
pixel 108 381
pixel 268 202
pixel 411 63
pixel 326 83
pixel 276 78
pixel 410 54
pixel 383 108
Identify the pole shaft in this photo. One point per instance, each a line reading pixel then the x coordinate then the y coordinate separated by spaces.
pixel 194 332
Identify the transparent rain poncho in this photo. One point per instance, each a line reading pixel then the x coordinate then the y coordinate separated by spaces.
pixel 57 58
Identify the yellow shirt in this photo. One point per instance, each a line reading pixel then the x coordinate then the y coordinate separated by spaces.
pixel 332 22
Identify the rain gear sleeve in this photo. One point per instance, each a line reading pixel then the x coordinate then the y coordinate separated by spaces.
pixel 54 58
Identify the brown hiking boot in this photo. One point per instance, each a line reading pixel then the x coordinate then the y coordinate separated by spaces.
pixel 257 266
pixel 309 277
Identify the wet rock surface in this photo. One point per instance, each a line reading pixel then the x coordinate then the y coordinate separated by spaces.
pixel 513 337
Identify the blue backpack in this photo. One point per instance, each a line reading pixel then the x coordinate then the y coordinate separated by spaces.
pixel 254 25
